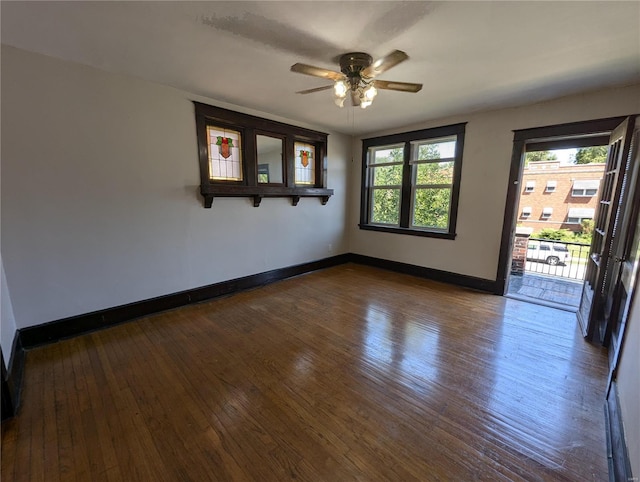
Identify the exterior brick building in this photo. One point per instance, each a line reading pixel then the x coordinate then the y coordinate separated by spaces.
pixel 558 196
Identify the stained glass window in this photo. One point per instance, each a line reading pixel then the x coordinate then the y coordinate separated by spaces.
pixel 225 154
pixel 305 163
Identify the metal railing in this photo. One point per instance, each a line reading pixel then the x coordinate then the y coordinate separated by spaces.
pixel 557 258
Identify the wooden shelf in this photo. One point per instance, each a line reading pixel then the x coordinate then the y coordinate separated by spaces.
pixel 259 192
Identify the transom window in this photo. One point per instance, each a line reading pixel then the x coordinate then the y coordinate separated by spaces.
pixel 411 181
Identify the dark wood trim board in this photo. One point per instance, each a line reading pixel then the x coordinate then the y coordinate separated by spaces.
pixel 480 284
pixel 54 331
pixel 12 378
pixel 617 453
pixel 77 325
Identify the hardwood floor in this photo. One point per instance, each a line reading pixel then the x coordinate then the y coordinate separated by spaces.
pixel 346 373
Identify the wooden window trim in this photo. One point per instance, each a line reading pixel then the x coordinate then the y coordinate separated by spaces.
pixel 406 139
pixel 251 126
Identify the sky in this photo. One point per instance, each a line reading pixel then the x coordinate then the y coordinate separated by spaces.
pixel 565 155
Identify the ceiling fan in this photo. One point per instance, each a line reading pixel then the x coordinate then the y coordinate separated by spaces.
pixel 357 73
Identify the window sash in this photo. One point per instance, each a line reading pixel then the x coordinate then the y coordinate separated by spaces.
pixel 430 213
pixel 583 192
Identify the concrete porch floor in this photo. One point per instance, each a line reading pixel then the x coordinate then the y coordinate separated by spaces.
pixel 550 290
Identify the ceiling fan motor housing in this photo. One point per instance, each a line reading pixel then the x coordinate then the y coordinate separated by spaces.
pixel 352 64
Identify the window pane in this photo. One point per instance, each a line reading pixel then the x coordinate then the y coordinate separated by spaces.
pixel 385 206
pixel 225 154
pixel 269 150
pixel 305 163
pixel 381 155
pixel 387 175
pixel 436 149
pixel 431 208
pixel 434 173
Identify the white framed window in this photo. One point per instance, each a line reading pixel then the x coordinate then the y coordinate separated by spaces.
pixel 526 212
pixel 529 186
pixel 551 186
pixel 585 188
pixel 384 165
pixel 547 212
pixel 577 215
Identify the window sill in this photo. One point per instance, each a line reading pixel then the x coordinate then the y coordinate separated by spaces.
pixel 410 232
pixel 259 192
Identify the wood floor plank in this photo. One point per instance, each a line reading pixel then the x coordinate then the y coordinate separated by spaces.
pixel 349 373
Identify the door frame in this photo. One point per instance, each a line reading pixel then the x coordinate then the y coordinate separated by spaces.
pixel 574 134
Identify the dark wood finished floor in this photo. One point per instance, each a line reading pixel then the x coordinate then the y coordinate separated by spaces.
pixel 350 373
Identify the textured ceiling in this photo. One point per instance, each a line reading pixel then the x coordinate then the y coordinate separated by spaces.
pixel 469 55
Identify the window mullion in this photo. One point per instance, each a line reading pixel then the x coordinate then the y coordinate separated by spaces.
pixel 405 201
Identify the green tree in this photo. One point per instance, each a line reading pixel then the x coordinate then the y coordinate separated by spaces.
pixel 587 226
pixel 539 156
pixel 555 234
pixel 589 155
pixel 431 204
pixel 386 201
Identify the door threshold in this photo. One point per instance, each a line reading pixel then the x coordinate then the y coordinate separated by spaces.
pixel 538 301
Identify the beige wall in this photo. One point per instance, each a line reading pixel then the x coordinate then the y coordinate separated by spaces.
pixel 485 171
pixel 100 203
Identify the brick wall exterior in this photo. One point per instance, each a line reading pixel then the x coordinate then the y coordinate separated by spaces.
pixel 519 255
pixel 561 200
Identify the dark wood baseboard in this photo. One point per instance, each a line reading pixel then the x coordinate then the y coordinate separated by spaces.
pixel 77 325
pixel 617 454
pixel 12 379
pixel 7 402
pixel 53 331
pixel 472 282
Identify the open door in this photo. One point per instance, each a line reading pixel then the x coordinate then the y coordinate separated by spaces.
pixel 598 310
pixel 627 253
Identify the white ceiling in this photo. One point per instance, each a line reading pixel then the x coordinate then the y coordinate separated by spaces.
pixel 469 55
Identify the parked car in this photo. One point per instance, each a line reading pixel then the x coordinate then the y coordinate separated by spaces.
pixel 549 252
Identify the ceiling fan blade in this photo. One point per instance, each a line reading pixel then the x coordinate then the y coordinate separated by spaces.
pixel 317 89
pixel 400 86
pixel 384 64
pixel 316 71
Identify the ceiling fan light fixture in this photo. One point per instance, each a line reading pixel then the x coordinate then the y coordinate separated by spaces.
pixel 370 92
pixel 340 89
pixel 340 101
